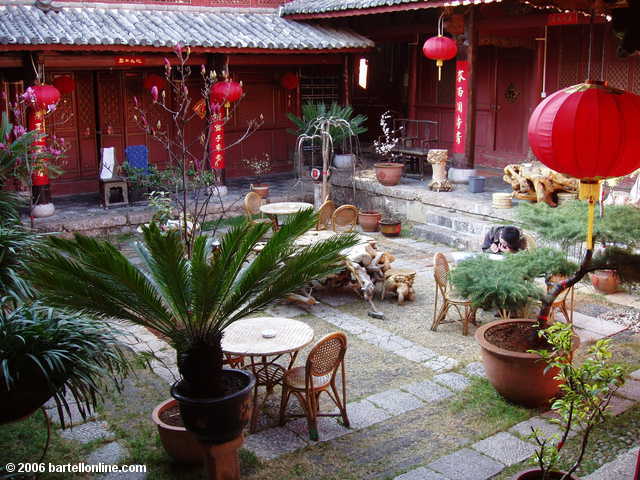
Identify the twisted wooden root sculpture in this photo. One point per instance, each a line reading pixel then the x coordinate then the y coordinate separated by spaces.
pixel 399 282
pixel 537 183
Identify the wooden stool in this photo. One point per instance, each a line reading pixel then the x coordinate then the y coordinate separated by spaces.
pixel 106 188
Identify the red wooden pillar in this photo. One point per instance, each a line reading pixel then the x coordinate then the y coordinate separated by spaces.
pixel 346 79
pixel 412 101
pixel 464 152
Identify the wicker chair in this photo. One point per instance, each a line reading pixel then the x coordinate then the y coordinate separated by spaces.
pixel 234 361
pixel 324 215
pixel 561 302
pixel 317 376
pixel 443 289
pixel 344 219
pixel 528 242
pixel 252 203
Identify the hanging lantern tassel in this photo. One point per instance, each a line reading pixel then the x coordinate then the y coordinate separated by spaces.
pixel 439 64
pixel 590 191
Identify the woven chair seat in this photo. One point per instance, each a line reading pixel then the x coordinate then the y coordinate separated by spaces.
pixel 295 378
pixel 269 374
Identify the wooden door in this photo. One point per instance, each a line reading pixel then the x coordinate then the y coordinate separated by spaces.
pixel 111 112
pixel 513 71
pixel 75 121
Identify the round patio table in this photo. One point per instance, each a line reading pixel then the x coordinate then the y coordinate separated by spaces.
pixel 265 340
pixel 272 210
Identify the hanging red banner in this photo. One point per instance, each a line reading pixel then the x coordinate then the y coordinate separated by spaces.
pixel 461 105
pixel 216 156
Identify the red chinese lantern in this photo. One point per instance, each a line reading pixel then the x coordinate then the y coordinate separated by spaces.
pixel 65 84
pixel 225 92
pixel 440 48
pixel 289 81
pixel 154 80
pixel 45 95
pixel 588 131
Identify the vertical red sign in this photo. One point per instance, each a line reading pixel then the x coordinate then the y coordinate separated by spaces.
pixel 216 158
pixel 460 106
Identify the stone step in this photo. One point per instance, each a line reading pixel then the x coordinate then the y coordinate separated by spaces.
pixel 447 236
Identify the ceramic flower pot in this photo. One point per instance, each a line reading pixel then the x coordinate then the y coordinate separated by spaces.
pixel 535 474
pixel 605 281
pixel 390 228
pixel 180 444
pixel 368 220
pixel 518 376
pixel 261 189
pixel 388 174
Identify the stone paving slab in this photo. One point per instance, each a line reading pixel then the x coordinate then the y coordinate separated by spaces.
pixel 623 467
pixel 87 432
pixel 466 464
pixel 428 391
pixel 619 405
pixel 395 401
pixel 441 364
pixel 422 473
pixel 546 428
pixel 123 476
pixel 328 428
pixel 273 442
pixel 631 390
pixel 635 375
pixel 111 453
pixel 337 299
pixel 475 369
pixel 596 325
pixel 74 419
pixel 363 414
pixel 505 448
pixel 417 354
pixel 453 381
pixel 587 336
pixel 287 311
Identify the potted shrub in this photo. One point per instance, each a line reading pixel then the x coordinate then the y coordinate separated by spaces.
pixel 509 286
pixel 259 168
pixel 388 172
pixel 343 128
pixel 564 225
pixel 190 298
pixel 586 391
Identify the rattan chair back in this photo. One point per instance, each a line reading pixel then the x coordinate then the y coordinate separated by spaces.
pixel 529 242
pixel 325 212
pixel 325 357
pixel 441 272
pixel 252 203
pixel 345 218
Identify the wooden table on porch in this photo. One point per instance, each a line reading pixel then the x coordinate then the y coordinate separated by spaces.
pixel 265 340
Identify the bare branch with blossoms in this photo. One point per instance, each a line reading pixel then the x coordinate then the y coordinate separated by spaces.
pixel 384 146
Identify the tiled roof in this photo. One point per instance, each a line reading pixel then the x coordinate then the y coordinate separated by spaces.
pixel 319 6
pixel 22 24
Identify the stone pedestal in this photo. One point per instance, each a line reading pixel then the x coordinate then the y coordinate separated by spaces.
pixel 222 461
pixel 438 160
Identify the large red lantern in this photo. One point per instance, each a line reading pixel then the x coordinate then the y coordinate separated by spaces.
pixel 588 131
pixel 225 93
pixel 440 48
pixel 45 95
pixel 289 81
pixel 65 84
pixel 154 80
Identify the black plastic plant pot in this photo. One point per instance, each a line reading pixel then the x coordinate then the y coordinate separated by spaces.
pixel 218 420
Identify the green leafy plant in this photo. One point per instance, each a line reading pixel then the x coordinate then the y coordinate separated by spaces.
pixel 343 123
pixel 587 390
pixel 190 299
pixel 71 354
pixel 508 285
pixel 16 245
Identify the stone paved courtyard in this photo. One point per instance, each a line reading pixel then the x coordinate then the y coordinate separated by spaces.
pixel 412 397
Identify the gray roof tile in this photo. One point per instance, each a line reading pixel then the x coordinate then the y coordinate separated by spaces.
pixel 264 29
pixel 320 6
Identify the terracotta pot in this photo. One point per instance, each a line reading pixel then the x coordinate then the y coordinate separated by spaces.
pixel 179 444
pixel 261 189
pixel 388 174
pixel 518 376
pixel 605 281
pixel 534 474
pixel 369 221
pixel 390 228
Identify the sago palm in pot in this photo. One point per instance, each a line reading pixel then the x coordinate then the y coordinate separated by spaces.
pixel 188 299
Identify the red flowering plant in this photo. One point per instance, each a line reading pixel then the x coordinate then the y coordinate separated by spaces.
pixel 194 183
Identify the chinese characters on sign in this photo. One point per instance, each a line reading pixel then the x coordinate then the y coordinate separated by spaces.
pixel 129 61
pixel 216 158
pixel 460 110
